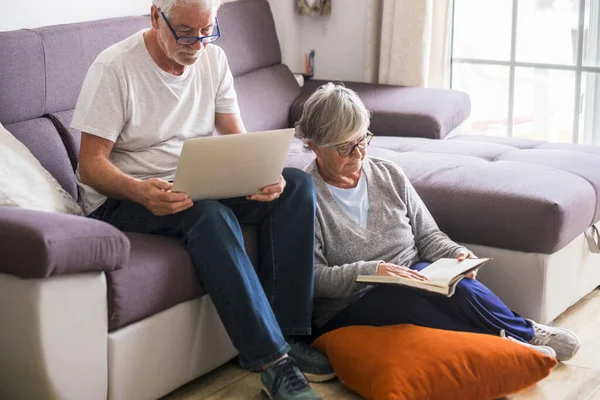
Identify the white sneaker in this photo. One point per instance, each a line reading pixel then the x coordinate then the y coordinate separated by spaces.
pixel 564 342
pixel 545 350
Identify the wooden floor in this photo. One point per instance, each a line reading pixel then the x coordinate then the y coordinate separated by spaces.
pixel 577 379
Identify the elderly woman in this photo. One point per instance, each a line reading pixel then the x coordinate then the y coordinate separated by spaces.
pixel 371 221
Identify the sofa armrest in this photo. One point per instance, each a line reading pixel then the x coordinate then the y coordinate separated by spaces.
pixel 35 244
pixel 402 111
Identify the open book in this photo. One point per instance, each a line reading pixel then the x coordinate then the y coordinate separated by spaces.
pixel 443 275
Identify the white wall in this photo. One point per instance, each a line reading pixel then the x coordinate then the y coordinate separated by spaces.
pixel 337 40
pixel 18 14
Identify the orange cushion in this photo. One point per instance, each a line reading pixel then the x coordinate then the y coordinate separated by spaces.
pixel 412 362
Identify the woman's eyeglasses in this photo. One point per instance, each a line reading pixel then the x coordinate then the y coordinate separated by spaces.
pixel 344 150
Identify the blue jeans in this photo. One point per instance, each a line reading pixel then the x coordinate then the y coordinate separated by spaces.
pixel 257 306
pixel 472 308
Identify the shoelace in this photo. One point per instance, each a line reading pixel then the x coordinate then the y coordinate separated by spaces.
pixel 542 335
pixel 286 369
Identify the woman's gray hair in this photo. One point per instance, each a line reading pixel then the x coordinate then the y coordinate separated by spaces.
pixel 332 115
pixel 167 5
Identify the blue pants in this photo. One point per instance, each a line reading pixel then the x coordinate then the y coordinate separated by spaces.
pixel 472 308
pixel 258 306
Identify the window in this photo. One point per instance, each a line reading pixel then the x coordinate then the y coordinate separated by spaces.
pixel 532 67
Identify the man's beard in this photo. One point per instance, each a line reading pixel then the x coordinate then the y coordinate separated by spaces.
pixel 187 57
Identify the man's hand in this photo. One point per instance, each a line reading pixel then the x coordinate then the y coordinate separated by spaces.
pixel 387 269
pixel 155 195
pixel 463 255
pixel 269 193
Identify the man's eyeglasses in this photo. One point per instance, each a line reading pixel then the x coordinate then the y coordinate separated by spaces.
pixel 345 150
pixel 190 40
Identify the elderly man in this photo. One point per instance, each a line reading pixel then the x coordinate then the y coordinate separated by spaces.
pixel 141 99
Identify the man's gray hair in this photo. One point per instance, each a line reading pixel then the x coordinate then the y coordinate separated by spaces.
pixel 332 116
pixel 167 5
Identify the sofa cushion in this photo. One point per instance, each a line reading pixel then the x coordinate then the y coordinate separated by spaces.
pixel 64 72
pixel 158 276
pixel 248 36
pixel 479 198
pixel 578 160
pixel 405 111
pixel 42 139
pixel 22 91
pixel 265 96
pixel 531 197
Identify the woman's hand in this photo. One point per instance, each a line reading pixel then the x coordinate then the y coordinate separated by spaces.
pixel 463 255
pixel 387 269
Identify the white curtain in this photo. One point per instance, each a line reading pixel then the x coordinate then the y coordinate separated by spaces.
pixel 407 42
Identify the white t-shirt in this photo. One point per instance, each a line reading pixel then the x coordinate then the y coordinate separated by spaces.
pixel 148 113
pixel 354 201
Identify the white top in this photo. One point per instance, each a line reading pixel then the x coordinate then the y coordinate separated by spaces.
pixel 147 112
pixel 354 201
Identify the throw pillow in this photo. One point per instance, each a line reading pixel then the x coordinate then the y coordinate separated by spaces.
pixel 417 363
pixel 25 183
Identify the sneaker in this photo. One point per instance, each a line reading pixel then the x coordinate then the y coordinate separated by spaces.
pixel 314 364
pixel 545 350
pixel 563 341
pixel 283 380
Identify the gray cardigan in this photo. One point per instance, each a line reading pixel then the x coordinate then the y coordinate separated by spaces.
pixel 400 230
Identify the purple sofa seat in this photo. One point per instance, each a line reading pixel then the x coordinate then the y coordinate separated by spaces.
pixel 403 111
pixel 514 194
pixel 158 276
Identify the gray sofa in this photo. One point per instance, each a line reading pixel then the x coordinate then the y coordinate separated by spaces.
pixel 89 312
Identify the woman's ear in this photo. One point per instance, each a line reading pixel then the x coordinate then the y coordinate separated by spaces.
pixel 313 147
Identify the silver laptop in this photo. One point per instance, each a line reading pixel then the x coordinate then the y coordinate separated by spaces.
pixel 220 167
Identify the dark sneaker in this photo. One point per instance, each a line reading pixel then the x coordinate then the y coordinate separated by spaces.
pixel 564 342
pixel 284 381
pixel 314 364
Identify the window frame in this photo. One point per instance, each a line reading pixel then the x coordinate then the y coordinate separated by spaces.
pixel 579 69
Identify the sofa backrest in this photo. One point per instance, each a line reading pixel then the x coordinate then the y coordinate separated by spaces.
pixel 266 88
pixel 42 70
pixel 23 103
pixel 41 73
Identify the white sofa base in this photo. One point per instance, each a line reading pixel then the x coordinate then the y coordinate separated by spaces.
pixel 53 342
pixel 150 358
pixel 540 286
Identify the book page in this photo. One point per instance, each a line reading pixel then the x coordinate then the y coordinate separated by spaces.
pixel 443 271
pixel 417 283
pixel 396 280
